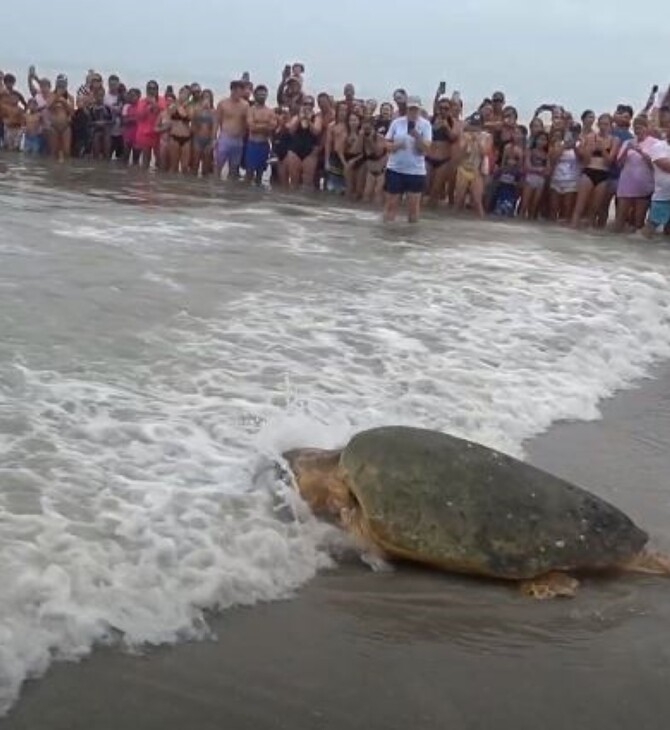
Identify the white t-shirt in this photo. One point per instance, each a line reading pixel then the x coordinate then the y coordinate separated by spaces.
pixel 112 101
pixel 407 160
pixel 660 151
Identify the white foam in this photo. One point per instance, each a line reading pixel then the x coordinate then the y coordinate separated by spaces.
pixel 136 498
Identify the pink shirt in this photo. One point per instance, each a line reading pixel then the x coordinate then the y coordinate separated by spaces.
pixel 129 123
pixel 146 122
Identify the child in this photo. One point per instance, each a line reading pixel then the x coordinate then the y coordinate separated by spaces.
pixel 537 170
pixel 33 142
pixel 507 189
pixel 298 72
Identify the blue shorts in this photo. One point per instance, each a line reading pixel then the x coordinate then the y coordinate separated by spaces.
pixel 659 213
pixel 256 156
pixel 33 144
pixel 398 183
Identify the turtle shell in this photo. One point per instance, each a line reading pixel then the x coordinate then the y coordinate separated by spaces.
pixel 460 506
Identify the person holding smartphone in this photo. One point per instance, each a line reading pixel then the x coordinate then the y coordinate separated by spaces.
pixel 408 140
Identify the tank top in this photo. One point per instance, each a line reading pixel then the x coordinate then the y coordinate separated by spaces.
pixel 567 167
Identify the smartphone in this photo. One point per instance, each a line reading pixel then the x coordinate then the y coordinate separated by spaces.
pixel 654 89
pixel 411 126
pixel 443 87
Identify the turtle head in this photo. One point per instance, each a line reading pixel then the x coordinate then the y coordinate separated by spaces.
pixel 319 479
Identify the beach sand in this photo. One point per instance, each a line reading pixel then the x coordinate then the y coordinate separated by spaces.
pixel 413 649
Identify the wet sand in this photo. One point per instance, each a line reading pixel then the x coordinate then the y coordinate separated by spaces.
pixel 413 649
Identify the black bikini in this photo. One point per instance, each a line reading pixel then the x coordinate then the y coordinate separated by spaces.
pixel 180 139
pixel 594 174
pixel 440 134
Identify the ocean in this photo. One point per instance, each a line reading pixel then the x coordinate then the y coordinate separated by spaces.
pixel 163 340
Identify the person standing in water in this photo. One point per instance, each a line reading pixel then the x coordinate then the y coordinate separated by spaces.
pixel 61 110
pixel 659 211
pixel 204 129
pixel 232 121
pixel 114 100
pixel 261 123
pixel 408 141
pixel 148 111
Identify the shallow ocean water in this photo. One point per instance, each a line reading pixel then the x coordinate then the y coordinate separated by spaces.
pixel 162 341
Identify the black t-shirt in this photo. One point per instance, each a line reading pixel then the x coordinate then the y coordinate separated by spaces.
pixel 382 126
pixel 100 115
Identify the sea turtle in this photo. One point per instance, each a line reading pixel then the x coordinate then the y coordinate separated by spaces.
pixel 424 496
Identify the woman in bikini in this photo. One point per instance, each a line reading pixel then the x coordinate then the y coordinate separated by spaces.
pixel 597 152
pixel 536 171
pixel 473 151
pixel 352 151
pixel 204 130
pixel 375 154
pixel 636 182
pixel 439 155
pixel 61 110
pixel 302 158
pixel 179 115
pixel 326 115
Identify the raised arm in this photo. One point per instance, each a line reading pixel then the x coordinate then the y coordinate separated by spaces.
pixel 613 154
pixel 33 82
pixel 436 99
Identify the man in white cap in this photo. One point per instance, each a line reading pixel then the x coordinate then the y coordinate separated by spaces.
pixel 408 140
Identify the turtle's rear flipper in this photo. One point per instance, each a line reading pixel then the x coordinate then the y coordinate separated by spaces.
pixel 649 562
pixel 551 585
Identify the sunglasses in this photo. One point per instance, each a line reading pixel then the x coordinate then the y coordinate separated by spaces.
pixel 498 100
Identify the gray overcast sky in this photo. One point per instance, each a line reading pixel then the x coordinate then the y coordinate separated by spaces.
pixel 551 50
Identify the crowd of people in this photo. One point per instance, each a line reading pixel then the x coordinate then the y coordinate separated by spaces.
pixel 560 167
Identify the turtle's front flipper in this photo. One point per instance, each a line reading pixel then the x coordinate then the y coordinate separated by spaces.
pixel 551 585
pixel 648 562
pixel 353 522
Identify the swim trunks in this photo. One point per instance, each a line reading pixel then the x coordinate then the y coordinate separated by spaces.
pixel 659 213
pixel 257 155
pixel 229 150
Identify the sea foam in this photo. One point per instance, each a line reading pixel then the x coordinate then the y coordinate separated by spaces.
pixel 136 496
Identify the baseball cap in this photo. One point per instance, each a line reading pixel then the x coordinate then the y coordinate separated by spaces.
pixel 413 101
